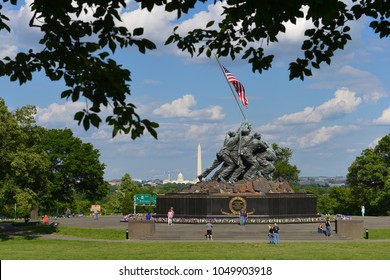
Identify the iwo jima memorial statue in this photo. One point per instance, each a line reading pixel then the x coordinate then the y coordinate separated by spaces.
pixel 243 180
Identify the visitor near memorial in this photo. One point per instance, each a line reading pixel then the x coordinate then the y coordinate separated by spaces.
pixel 170 216
pixel 328 227
pixel 276 230
pixel 209 231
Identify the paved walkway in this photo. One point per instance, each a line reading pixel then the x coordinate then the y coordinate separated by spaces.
pixel 221 232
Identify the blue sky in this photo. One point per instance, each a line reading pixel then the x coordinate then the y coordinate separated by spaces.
pixel 326 120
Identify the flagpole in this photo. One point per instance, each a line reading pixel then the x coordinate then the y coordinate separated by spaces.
pixel 231 88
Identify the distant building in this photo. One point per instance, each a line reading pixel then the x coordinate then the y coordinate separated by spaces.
pixel 180 180
pixel 114 182
pixel 324 181
pixel 117 182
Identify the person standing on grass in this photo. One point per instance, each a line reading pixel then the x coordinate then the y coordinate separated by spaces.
pixel 276 230
pixel 270 234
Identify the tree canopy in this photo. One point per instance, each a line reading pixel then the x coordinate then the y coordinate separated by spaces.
pixel 283 168
pixel 41 167
pixel 80 49
pixel 369 178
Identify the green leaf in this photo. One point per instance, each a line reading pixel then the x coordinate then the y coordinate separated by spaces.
pixel 169 40
pixel 210 23
pixel 95 120
pixel 86 122
pixel 79 116
pixel 103 55
pixel 307 44
pixel 138 31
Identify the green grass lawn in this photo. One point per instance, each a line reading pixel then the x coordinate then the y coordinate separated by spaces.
pixel 115 248
pixel 20 248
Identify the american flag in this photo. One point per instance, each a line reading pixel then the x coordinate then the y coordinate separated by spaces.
pixel 237 86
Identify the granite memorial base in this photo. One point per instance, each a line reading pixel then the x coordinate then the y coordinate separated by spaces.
pixel 138 229
pixel 274 205
pixel 350 228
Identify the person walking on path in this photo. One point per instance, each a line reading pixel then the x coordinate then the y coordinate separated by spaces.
pixel 363 210
pixel 328 227
pixel 209 231
pixel 170 216
pixel 270 234
pixel 276 230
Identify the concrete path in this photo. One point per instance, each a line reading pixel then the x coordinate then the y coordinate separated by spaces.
pixel 221 232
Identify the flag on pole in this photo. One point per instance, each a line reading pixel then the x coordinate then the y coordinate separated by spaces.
pixel 237 86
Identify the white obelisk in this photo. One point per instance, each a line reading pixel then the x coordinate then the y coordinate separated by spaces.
pixel 199 160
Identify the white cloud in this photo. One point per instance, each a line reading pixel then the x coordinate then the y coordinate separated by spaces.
pixel 22 36
pixel 198 131
pixel 322 135
pixel 363 81
pixel 100 134
pixel 384 119
pixel 343 103
pixel 369 85
pixel 374 142
pixel 295 33
pixel 201 19
pixel 182 108
pixel 272 127
pixel 59 113
pixel 7 50
pixel 156 23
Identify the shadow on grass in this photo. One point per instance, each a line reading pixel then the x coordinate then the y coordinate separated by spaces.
pixel 30 232
pixel 5 237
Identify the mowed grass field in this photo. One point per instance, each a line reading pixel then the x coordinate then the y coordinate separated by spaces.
pixel 115 248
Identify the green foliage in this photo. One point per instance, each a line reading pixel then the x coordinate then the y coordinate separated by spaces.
pixel 113 203
pixel 128 188
pixel 369 185
pixel 25 199
pixel 44 168
pixel 79 40
pixel 369 178
pixel 331 200
pixel 336 200
pixel 169 188
pixel 283 169
pixel 76 37
pixel 127 185
pixel 127 204
pixel 75 166
pixel 247 22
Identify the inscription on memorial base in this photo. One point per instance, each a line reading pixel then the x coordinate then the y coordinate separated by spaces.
pixel 259 197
